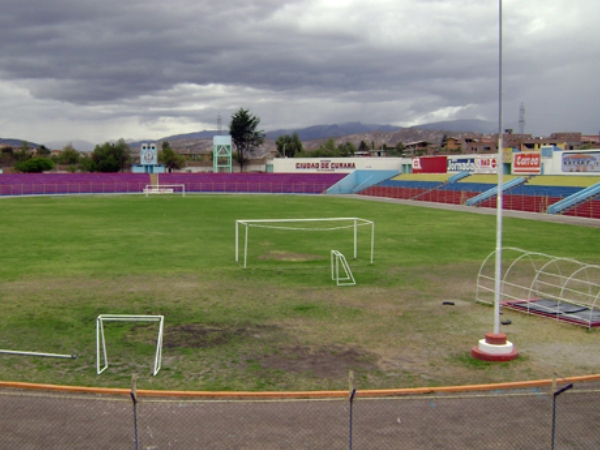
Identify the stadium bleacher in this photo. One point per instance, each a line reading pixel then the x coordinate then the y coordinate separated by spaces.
pixel 71 183
pixel 284 183
pixel 93 183
pixel 535 195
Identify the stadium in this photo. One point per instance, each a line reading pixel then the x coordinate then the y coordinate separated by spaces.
pixel 204 311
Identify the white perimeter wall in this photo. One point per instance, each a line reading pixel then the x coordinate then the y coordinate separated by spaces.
pixel 338 165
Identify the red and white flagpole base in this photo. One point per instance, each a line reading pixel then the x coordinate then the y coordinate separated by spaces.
pixel 494 347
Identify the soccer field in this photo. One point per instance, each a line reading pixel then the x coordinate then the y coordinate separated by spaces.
pixel 281 323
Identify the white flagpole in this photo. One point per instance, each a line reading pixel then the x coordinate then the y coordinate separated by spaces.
pixel 495 346
pixel 499 168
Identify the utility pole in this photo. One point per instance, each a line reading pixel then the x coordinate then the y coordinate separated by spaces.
pixel 522 119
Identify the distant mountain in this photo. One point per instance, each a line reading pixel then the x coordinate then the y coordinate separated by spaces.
pixel 17 142
pixel 461 126
pixel 202 140
pixel 331 131
pixel 305 134
pixel 78 144
pixel 206 134
pixel 391 138
pixel 195 136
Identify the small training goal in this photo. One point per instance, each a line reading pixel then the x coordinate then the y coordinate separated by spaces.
pixel 164 189
pixel 101 355
pixel 340 270
pixel 318 236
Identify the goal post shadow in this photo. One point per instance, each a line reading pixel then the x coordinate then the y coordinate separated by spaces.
pixel 101 355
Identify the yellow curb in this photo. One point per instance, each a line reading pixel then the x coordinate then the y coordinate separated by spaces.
pixel 273 395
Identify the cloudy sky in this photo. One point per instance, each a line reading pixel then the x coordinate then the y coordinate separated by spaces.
pixel 77 69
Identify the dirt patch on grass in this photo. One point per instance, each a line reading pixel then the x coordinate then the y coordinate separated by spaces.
pixel 329 361
pixel 289 256
pixel 324 362
pixel 196 335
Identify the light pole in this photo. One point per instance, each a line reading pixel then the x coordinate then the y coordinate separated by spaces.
pixel 495 346
pixel 499 168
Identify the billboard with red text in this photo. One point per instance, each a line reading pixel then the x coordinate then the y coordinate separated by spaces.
pixel 527 163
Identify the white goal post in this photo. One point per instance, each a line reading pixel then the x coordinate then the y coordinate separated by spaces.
pixel 164 189
pixel 101 342
pixel 330 224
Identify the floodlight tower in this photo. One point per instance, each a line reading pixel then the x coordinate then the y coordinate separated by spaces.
pixel 522 119
pixel 495 346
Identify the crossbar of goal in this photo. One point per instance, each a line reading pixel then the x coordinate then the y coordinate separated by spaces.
pixel 101 341
pixel 164 189
pixel 355 222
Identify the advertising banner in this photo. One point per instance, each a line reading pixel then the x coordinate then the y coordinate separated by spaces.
pixel 337 165
pixel 527 163
pixel 461 165
pixel 581 162
pixel 485 165
pixel 473 164
pixel 326 165
pixel 430 164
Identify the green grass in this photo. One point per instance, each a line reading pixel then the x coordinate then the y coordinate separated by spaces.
pixel 276 325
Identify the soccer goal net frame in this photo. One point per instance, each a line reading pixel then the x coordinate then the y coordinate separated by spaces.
pixel 101 356
pixel 336 223
pixel 164 189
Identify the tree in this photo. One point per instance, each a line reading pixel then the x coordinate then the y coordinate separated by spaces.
pixel 325 150
pixel 111 157
pixel 329 150
pixel 23 154
pixel 86 163
pixel 244 135
pixel 43 151
pixel 69 155
pixel 34 165
pixel 444 141
pixel 7 157
pixel 347 149
pixel 289 146
pixel 170 158
pixel 398 150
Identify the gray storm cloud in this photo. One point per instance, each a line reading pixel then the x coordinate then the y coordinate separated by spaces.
pixel 140 67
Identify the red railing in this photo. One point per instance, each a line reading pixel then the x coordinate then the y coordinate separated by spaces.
pixel 514 202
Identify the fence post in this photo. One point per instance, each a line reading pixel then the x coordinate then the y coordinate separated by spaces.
pixel 554 395
pixel 352 393
pixel 134 399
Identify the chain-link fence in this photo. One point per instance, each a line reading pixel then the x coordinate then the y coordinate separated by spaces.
pixel 533 418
